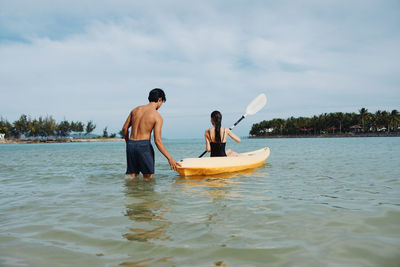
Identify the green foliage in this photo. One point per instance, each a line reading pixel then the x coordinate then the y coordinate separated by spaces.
pixel 6 127
pixel 336 122
pixel 394 119
pixel 41 127
pixel 21 126
pixel 79 127
pixel 49 126
pixel 72 126
pixel 34 127
pixel 90 126
pixel 105 133
pixel 63 128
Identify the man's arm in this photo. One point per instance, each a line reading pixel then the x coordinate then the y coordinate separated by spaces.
pixel 160 143
pixel 125 128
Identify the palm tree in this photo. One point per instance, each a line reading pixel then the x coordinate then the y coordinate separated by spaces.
pixel 339 117
pixel 322 122
pixel 363 114
pixel 382 119
pixel 21 126
pixel 255 130
pixel 291 125
pixel 5 127
pixel 386 120
pixel 369 121
pixel 281 123
pixel 377 119
pixel 394 119
pixel 90 126
pixel 79 127
pixel 63 128
pixel 34 127
pixel 314 123
pixel 277 124
pixel 49 126
pixel 105 132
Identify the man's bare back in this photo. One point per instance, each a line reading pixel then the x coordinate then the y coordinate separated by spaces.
pixel 143 120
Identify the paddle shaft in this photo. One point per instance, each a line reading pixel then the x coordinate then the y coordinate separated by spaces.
pixel 236 123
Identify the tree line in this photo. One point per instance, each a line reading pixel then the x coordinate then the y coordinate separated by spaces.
pixel 46 127
pixel 336 122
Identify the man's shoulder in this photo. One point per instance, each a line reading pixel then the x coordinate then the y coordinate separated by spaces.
pixel 138 109
pixel 156 115
pixel 148 113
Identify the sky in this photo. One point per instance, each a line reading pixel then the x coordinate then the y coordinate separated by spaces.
pixel 97 60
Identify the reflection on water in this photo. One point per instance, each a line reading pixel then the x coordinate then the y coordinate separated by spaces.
pixel 145 262
pixel 217 185
pixel 145 208
pixel 214 187
pixel 217 201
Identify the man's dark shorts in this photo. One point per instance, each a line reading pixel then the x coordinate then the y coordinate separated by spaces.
pixel 140 157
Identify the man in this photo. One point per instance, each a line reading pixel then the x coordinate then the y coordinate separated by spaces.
pixel 139 151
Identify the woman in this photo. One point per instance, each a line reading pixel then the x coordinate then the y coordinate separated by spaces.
pixel 216 138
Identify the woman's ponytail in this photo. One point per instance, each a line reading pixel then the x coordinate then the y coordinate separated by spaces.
pixel 217 118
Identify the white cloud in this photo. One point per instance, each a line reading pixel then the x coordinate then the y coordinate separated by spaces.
pixel 98 63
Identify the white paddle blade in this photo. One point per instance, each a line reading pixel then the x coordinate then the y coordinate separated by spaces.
pixel 257 104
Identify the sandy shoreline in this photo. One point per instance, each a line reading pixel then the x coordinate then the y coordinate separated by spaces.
pixel 59 140
pixel 82 140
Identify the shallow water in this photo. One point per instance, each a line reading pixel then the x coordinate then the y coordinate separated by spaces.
pixel 332 202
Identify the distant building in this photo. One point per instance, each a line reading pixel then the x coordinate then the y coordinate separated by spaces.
pixel 333 129
pixel 356 128
pixel 2 136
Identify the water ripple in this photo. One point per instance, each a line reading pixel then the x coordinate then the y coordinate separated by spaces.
pixel 316 202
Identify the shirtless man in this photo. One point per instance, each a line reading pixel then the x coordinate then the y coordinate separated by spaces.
pixel 139 151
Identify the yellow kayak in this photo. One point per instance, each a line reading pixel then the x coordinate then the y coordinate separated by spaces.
pixel 216 165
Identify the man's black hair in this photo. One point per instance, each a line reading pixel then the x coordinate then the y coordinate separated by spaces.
pixel 155 94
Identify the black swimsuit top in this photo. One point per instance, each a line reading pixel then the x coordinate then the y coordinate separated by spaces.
pixel 217 149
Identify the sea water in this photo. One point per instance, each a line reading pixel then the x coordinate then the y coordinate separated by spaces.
pixel 316 202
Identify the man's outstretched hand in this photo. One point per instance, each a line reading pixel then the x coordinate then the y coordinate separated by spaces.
pixel 174 165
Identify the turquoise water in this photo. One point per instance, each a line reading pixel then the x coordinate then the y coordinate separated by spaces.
pixel 316 202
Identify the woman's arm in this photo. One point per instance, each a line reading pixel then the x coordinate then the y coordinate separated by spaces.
pixel 206 136
pixel 232 135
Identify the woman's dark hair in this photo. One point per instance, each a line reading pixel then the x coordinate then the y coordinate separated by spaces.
pixel 217 118
pixel 155 94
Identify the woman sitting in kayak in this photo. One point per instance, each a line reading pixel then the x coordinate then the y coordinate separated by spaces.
pixel 216 138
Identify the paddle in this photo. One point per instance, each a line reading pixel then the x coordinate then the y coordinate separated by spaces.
pixel 255 106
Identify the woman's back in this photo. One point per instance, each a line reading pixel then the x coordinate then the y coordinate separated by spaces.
pixel 217 146
pixel 216 136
